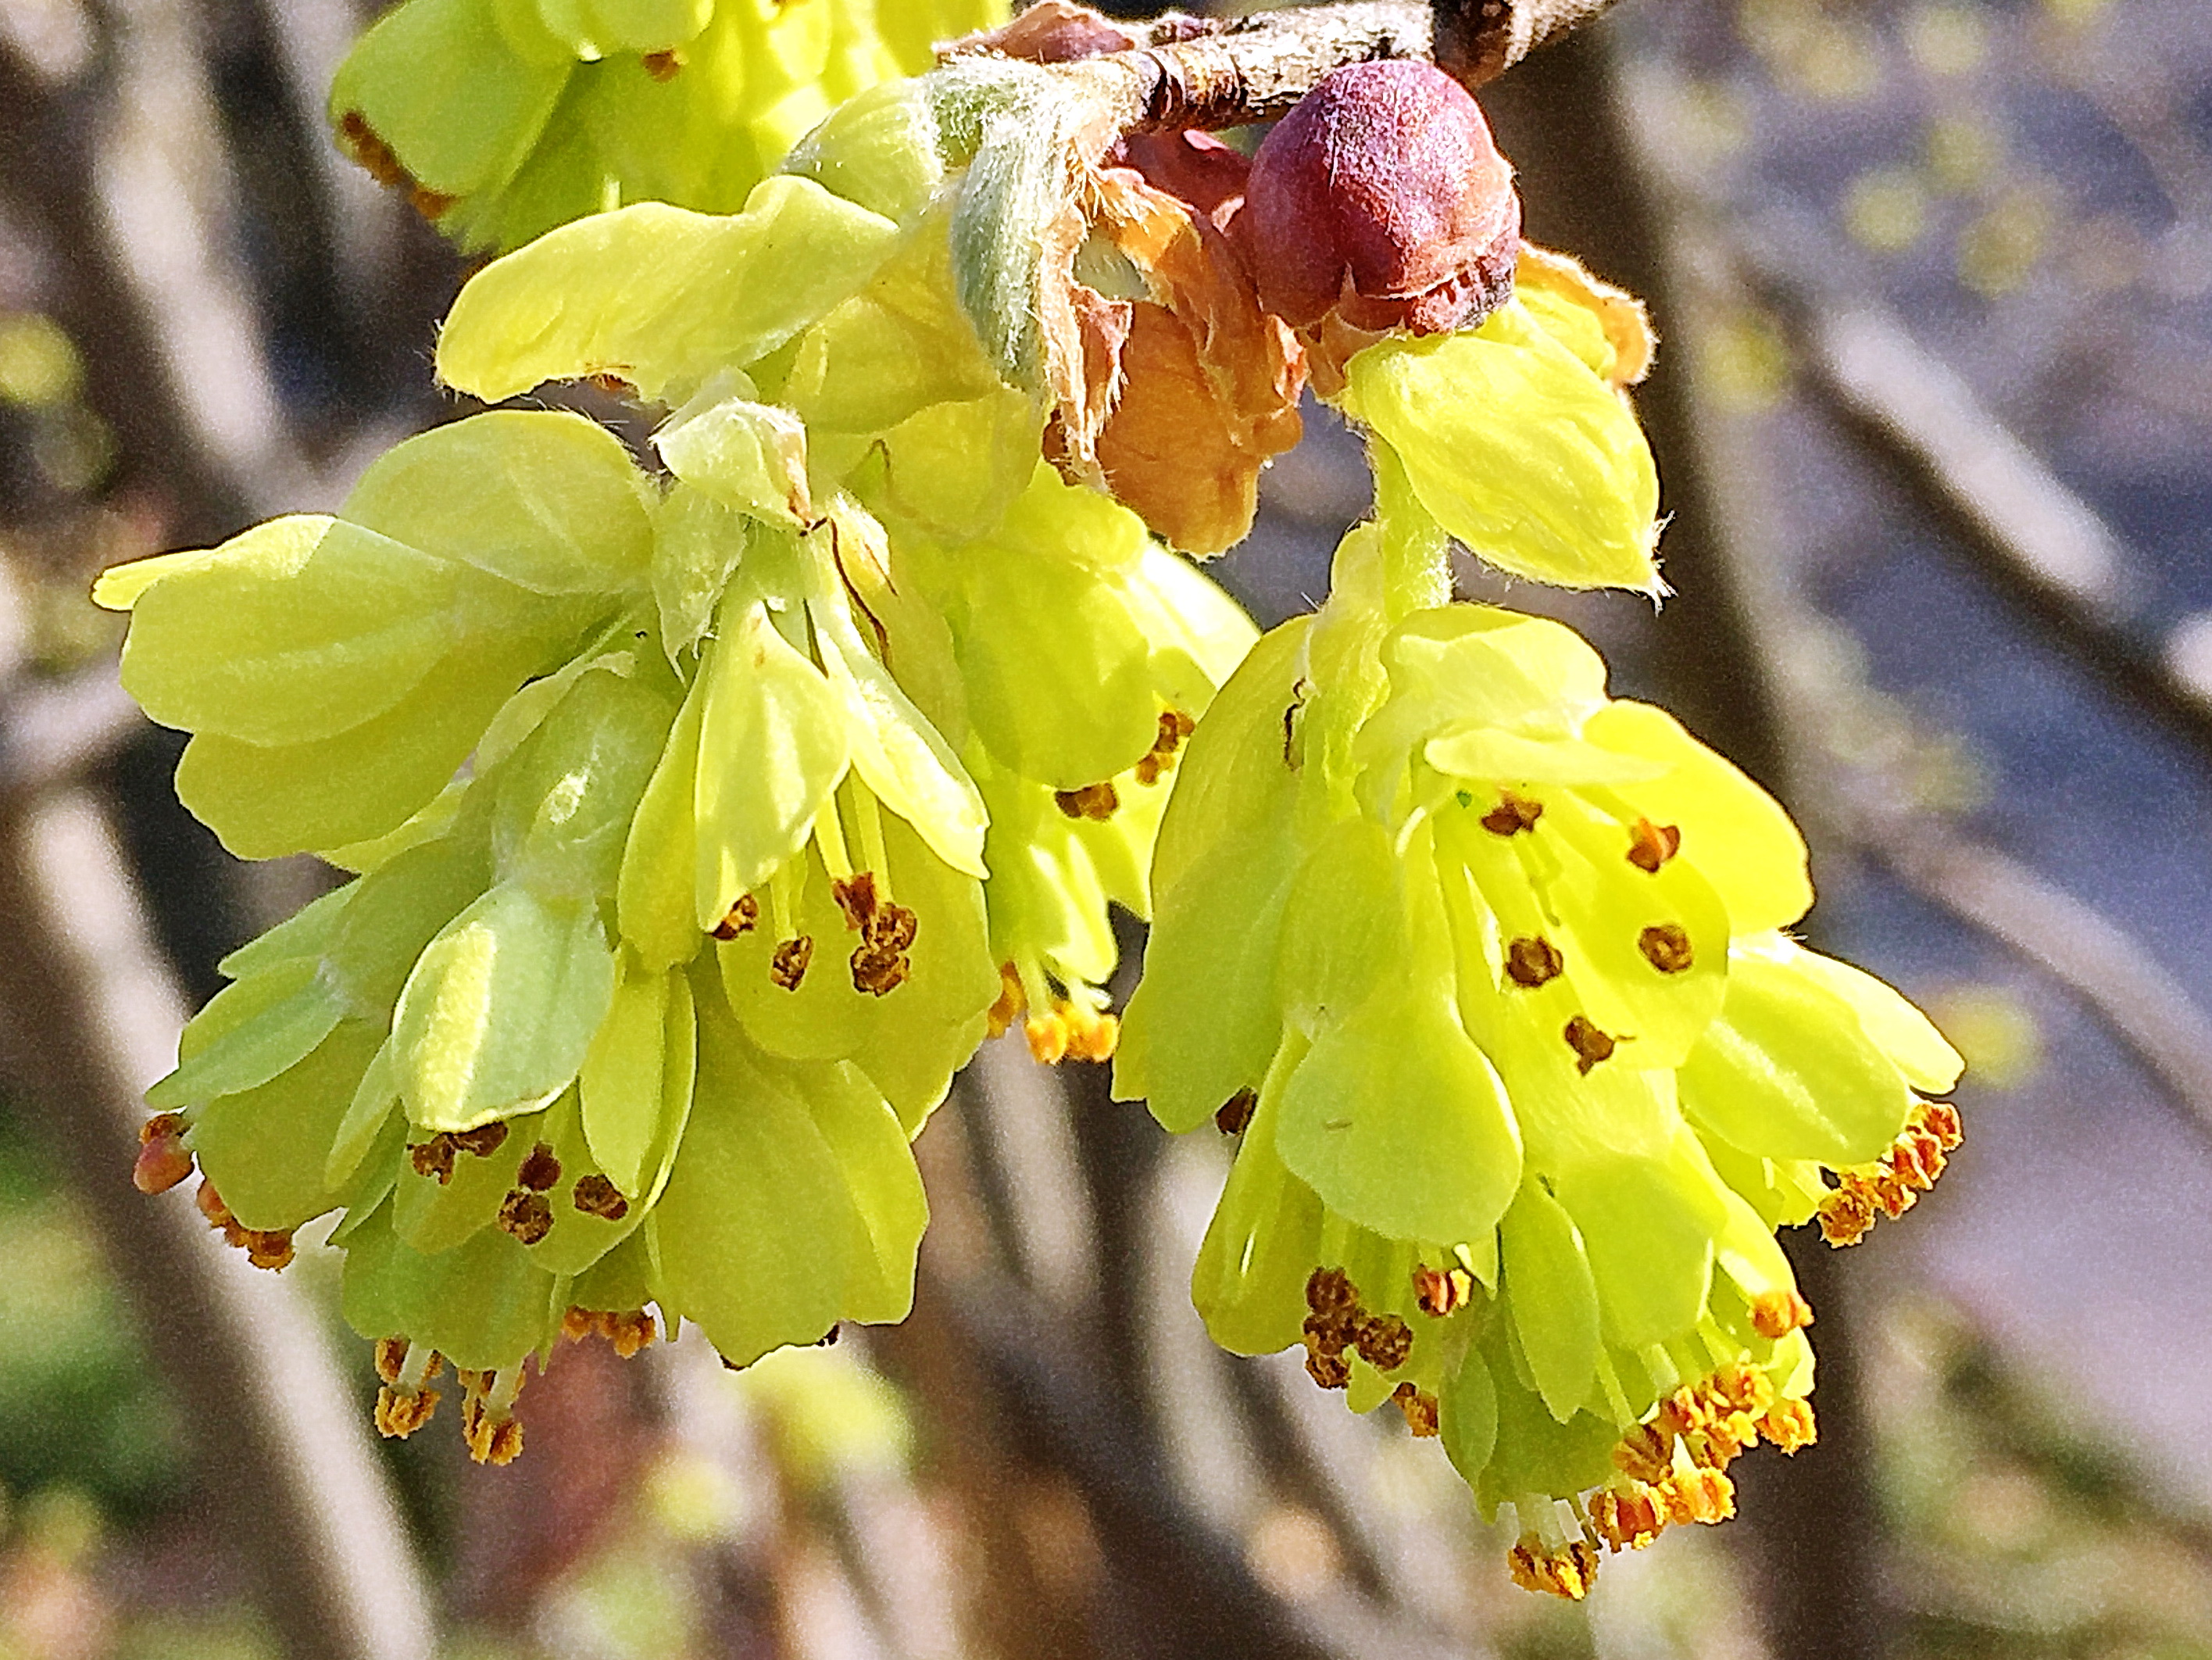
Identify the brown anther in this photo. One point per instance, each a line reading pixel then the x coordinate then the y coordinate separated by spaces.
pixel 595 1195
pixel 1645 1452
pixel 1096 802
pixel 879 974
pixel 1789 1425
pixel 742 919
pixel 400 1413
pixel 1012 1000
pixel 1683 1413
pixel 1047 1037
pixel 1651 846
pixel 1331 1371
pixel 494 1440
pixel 391 1357
pixel 1666 946
pixel 890 929
pixel 1512 815
pixel 1330 1291
pixel 631 1334
pixel 1419 1407
pixel 527 1216
pixel 430 203
pixel 1846 1214
pixel 211 1207
pixel 1567 1572
pixel 1233 1115
pixel 1442 1291
pixel 828 1339
pixel 1589 1044
pixel 1941 1120
pixel 1532 961
pixel 162 1126
pixel 266 1248
pixel 1174 727
pixel 787 967
pixel 1776 1314
pixel 483 1140
pixel 1332 1331
pixel 163 1159
pixel 856 896
pixel 1627 1520
pixel 1384 1342
pixel 432 1159
pixel 663 66
pixel 540 1171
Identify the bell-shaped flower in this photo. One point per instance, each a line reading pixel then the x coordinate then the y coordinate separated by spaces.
pixel 1483 967
pixel 802 797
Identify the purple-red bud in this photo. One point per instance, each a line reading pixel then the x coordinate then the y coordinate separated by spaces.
pixel 1383 197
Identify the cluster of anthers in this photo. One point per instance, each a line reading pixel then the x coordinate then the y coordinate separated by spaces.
pixel 164 1161
pixel 405 1402
pixel 1892 1184
pixel 1077 1024
pixel 1339 1324
pixel 1671 1468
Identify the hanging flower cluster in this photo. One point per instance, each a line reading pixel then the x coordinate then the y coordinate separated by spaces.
pixel 706 818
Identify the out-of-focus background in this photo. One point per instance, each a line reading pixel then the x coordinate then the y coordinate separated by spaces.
pixel 1935 416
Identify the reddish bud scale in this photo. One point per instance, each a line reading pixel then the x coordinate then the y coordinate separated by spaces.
pixel 1383 197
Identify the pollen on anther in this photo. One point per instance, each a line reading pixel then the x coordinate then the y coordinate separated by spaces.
pixel 527 1216
pixel 540 1171
pixel 663 66
pixel 1384 1342
pixel 1651 846
pixel 1776 1314
pixel 878 973
pixel 1532 961
pixel 1666 946
pixel 1512 815
pixel 596 1195
pixel 856 897
pixel 1419 1407
pixel 1589 1044
pixel 787 967
pixel 434 1158
pixel 743 918
pixel 1096 802
pixel 483 1140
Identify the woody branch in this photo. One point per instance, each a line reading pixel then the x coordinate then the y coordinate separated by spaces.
pixel 1183 72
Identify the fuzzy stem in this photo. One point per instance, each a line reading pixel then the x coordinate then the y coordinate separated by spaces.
pixel 1236 71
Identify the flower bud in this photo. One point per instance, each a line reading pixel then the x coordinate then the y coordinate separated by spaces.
pixel 1382 199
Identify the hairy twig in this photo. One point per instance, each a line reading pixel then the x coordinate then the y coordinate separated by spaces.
pixel 1235 72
